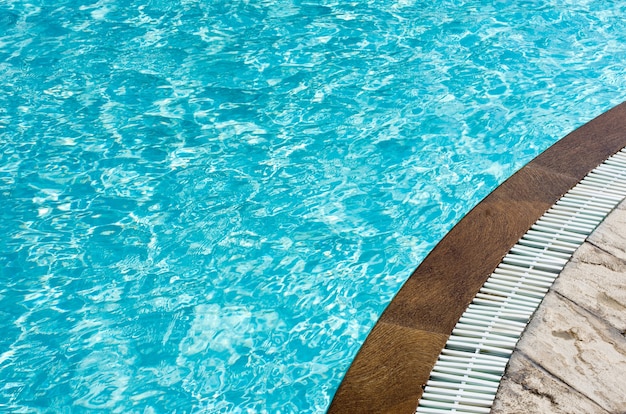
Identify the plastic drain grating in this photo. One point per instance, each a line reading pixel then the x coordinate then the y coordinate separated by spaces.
pixel 467 374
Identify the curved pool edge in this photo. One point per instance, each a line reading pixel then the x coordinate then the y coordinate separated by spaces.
pixel 398 355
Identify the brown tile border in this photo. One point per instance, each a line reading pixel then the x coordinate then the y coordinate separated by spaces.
pixel 395 361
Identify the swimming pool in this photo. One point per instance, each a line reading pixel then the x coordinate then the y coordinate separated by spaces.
pixel 207 205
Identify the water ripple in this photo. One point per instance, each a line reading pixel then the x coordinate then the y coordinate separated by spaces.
pixel 207 205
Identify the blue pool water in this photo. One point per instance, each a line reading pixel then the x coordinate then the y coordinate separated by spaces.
pixel 206 205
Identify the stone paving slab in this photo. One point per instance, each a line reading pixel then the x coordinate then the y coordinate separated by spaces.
pixel 596 280
pixel 610 236
pixel 530 389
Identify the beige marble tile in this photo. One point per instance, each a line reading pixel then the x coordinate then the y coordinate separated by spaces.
pixel 595 280
pixel 580 349
pixel 528 389
pixel 611 234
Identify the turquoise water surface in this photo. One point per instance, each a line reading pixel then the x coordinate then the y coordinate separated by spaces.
pixel 206 205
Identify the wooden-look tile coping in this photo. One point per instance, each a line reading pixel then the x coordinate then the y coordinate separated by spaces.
pixel 397 357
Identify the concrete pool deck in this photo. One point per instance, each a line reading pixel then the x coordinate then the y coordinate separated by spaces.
pixel 396 359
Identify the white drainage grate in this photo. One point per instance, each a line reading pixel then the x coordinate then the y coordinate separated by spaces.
pixel 467 374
